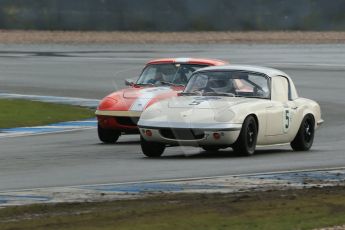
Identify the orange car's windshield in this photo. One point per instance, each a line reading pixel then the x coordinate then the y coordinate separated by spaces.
pixel 168 73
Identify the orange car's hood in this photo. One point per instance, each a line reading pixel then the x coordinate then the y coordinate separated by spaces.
pixel 136 99
pixel 145 92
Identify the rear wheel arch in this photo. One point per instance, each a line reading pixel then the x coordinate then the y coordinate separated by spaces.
pixel 304 138
pixel 306 111
pixel 311 115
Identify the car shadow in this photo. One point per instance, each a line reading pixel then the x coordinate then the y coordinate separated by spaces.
pixel 121 143
pixel 227 153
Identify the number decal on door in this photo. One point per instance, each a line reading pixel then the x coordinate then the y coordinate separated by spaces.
pixel 199 100
pixel 195 103
pixel 286 120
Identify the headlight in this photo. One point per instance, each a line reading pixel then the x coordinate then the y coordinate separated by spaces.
pixel 224 116
pixel 107 103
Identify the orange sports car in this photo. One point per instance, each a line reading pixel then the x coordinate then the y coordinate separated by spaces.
pixel 119 112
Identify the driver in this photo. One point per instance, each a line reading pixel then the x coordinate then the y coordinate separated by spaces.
pixel 156 79
pixel 181 79
pixel 199 83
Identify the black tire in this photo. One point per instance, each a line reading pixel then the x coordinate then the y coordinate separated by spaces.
pixel 210 148
pixel 151 149
pixel 108 136
pixel 246 143
pixel 305 136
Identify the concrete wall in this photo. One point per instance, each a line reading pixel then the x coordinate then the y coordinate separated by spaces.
pixel 173 15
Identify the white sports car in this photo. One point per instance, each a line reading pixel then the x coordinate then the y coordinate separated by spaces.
pixel 231 106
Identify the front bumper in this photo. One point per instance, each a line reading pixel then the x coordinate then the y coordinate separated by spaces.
pixel 118 113
pixel 118 120
pixel 224 134
pixel 180 125
pixel 319 123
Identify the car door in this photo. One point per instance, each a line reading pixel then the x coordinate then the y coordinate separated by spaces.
pixel 281 111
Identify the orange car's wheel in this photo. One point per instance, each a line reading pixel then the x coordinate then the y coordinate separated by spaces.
pixel 108 135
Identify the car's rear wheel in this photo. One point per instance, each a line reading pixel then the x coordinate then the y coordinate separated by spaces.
pixel 246 143
pixel 151 149
pixel 108 135
pixel 305 136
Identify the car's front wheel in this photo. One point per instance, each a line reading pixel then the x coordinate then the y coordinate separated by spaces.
pixel 108 136
pixel 151 149
pixel 305 136
pixel 246 142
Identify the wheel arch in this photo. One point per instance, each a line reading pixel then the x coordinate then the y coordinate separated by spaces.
pixel 300 142
pixel 309 113
pixel 244 146
pixel 256 120
pixel 306 107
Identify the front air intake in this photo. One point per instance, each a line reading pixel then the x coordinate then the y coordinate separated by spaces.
pixel 128 121
pixel 182 134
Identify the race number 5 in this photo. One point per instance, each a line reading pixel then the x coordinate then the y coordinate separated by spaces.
pixel 195 103
pixel 286 120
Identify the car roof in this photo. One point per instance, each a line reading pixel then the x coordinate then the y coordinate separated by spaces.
pixel 200 61
pixel 250 68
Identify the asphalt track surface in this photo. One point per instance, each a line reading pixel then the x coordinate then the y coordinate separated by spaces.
pixel 92 71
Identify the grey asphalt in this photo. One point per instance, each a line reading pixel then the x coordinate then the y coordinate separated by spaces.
pixel 92 71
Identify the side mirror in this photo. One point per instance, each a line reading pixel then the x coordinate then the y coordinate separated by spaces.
pixel 129 82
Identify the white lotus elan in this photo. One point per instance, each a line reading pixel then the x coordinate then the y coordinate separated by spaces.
pixel 231 106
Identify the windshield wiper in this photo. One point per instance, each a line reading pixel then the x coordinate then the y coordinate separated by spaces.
pixel 166 83
pixel 179 85
pixel 143 84
pixel 219 94
pixel 170 83
pixel 190 93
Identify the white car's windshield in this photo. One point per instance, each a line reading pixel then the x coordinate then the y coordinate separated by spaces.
pixel 228 83
pixel 169 73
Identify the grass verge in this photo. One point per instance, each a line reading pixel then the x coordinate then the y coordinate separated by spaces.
pixel 290 209
pixel 19 113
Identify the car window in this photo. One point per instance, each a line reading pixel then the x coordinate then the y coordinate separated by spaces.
pixel 280 89
pixel 235 83
pixel 260 81
pixel 174 73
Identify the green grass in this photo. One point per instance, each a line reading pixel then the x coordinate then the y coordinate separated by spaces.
pixel 19 113
pixel 293 209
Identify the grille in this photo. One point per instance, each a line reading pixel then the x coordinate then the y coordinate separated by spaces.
pixel 129 121
pixel 182 134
